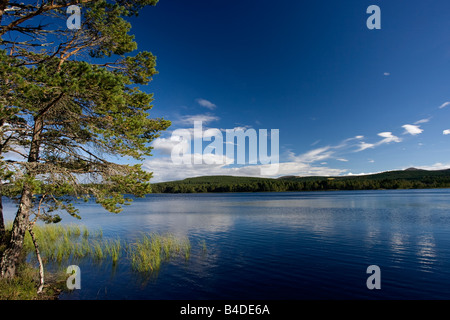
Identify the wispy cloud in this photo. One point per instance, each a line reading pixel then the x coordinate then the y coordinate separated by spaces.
pixel 299 165
pixel 436 166
pixel 311 162
pixel 206 103
pixel 240 127
pixel 190 119
pixel 314 155
pixel 387 74
pixel 446 132
pixel 422 121
pixel 412 129
pixel 364 145
pixel 388 138
pixel 344 147
pixel 445 104
pixel 164 170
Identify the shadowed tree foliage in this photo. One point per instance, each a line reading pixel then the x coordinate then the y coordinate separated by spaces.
pixel 71 101
pixel 404 179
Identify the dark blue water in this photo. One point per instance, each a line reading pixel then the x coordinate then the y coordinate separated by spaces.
pixel 281 246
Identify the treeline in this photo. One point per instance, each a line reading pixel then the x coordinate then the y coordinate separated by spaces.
pixel 390 180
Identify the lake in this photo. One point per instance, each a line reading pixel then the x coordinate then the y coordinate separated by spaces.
pixel 300 245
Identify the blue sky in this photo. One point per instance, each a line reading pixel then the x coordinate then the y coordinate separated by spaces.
pixel 346 99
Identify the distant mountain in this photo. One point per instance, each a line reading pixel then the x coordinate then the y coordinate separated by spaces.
pixel 410 178
pixel 414 169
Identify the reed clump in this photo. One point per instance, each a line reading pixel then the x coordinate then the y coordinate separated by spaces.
pixel 150 251
pixel 59 243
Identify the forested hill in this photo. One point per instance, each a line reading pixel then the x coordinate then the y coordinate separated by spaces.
pixel 405 179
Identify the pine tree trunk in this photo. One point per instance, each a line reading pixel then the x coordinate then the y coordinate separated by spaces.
pixel 11 256
pixel 2 222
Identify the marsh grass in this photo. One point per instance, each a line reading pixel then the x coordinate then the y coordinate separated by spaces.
pixel 85 232
pixel 202 244
pixel 24 285
pixel 150 251
pixel 60 243
pixel 114 250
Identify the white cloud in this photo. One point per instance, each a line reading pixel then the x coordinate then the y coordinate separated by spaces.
pixel 388 138
pixel 446 132
pixel 387 74
pixel 243 128
pixel 422 121
pixel 445 104
pixel 364 145
pixel 361 173
pixel 190 119
pixel 436 166
pixel 299 165
pixel 206 104
pixel 165 170
pixel 412 129
pixel 165 145
pixel 313 155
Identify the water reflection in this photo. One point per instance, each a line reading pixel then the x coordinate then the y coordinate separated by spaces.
pixel 399 245
pixel 268 245
pixel 426 251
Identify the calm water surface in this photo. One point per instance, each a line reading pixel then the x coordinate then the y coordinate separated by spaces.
pixel 281 246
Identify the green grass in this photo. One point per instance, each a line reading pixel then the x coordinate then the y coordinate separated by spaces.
pixel 25 284
pixel 62 244
pixel 202 245
pixel 114 250
pixel 22 287
pixel 150 251
pixel 59 243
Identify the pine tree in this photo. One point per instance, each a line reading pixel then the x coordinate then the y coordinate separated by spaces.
pixel 71 99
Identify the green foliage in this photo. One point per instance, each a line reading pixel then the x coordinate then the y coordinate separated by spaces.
pixel 23 286
pixel 65 114
pixel 408 179
pixel 59 244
